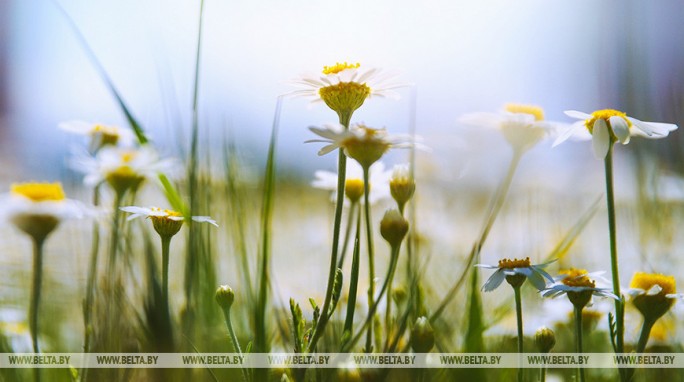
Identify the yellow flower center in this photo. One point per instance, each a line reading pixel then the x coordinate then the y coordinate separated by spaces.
pixel 338 67
pixel 105 135
pixel 605 115
pixel 515 263
pixel 39 192
pixel 535 111
pixel 646 281
pixel 167 212
pixel 353 188
pixel 577 278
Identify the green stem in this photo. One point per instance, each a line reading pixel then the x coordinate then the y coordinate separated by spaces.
pixel 114 238
pixel 373 308
pixel 371 253
pixel 341 175
pixel 619 313
pixel 165 245
pixel 542 374
pixel 645 333
pixel 347 234
pixel 234 340
pixel 518 315
pixel 90 287
pixel 35 290
pixel 578 339
pixel 354 281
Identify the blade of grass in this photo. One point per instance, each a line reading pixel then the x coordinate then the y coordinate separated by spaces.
pixel 260 341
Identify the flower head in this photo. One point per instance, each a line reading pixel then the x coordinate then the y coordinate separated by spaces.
pixel 360 142
pixel 354 186
pixel 37 208
pixel 166 222
pixel 523 126
pixel 122 168
pixel 402 185
pixel 344 87
pixel 578 286
pixel 653 294
pixel 607 126
pixel 515 272
pixel 100 135
pixel 393 227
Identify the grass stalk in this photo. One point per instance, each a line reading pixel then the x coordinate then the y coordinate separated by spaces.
pixel 354 280
pixel 371 254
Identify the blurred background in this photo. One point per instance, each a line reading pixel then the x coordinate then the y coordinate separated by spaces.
pixel 460 57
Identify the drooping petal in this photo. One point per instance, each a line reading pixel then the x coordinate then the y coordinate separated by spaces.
pixel 494 281
pixel 537 280
pixel 576 130
pixel 620 128
pixel 600 139
pixel 205 219
pixel 653 130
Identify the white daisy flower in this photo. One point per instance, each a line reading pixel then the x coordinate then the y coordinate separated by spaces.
pixel 122 168
pixel 37 208
pixel 515 270
pixel 523 126
pixel 379 182
pixel 344 87
pixel 100 135
pixel 604 127
pixel 360 142
pixel 578 285
pixel 165 222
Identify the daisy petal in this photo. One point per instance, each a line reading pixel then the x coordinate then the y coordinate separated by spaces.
pixel 600 139
pixel 537 280
pixel 577 114
pixel 620 128
pixel 494 281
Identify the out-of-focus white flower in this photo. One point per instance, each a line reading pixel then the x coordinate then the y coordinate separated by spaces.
pixel 607 126
pixel 523 126
pixel 360 142
pixel 165 222
pixel 344 87
pixel 37 208
pixel 515 268
pixel 379 181
pixel 122 168
pixel 100 135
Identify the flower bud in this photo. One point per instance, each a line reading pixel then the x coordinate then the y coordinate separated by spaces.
pixel 225 296
pixel 353 189
pixel 402 186
pixel 422 336
pixel 393 227
pixel 545 339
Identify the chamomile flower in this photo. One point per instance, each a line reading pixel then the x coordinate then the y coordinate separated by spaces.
pixel 344 87
pixel 653 294
pixel 100 135
pixel 165 222
pixel 515 272
pixel 402 185
pixel 360 142
pixel 37 208
pixel 523 126
pixel 122 168
pixel 607 126
pixel 578 286
pixel 379 182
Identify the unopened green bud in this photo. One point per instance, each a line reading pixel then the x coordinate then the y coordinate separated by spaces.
pixel 422 336
pixel 225 296
pixel 393 227
pixel 545 339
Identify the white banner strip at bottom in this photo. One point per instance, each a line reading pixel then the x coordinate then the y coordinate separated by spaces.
pixel 341 360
